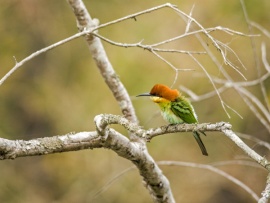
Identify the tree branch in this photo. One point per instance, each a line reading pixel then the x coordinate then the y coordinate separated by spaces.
pixel 11 149
pixel 266 193
pixel 85 22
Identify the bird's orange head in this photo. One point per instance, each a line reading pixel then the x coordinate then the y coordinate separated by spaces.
pixel 163 91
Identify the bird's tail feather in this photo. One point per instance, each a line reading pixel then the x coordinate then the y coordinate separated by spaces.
pixel 200 143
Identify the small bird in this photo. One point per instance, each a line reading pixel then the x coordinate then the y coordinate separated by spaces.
pixel 175 108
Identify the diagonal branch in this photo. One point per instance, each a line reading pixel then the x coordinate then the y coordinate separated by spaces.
pixel 85 22
pixel 37 53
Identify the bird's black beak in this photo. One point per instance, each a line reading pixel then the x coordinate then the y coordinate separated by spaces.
pixel 144 95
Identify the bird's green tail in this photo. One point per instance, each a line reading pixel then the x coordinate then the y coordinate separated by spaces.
pixel 200 143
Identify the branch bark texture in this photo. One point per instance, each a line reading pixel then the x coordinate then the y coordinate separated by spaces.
pixel 266 193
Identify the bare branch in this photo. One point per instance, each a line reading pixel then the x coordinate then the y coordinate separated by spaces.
pixel 215 170
pixel 264 60
pixel 133 16
pixel 146 46
pixel 212 39
pixel 267 67
pixel 253 107
pixel 204 30
pixel 195 97
pixel 259 27
pixel 229 49
pixel 110 182
pixel 254 104
pixel 237 162
pixel 37 53
pixel 251 153
pixel 189 20
pixel 255 139
pixel 266 193
pixel 213 84
pixel 10 149
pixel 255 54
pixel 84 21
pixel 155 181
pixel 211 167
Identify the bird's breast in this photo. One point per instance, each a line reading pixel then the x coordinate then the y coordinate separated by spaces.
pixel 170 117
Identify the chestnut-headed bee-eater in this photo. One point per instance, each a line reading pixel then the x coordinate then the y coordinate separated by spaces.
pixel 175 108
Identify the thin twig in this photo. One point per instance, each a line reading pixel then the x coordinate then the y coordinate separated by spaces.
pixel 107 185
pixel 213 40
pixel 135 15
pixel 256 55
pixel 267 67
pixel 213 84
pixel 41 51
pixel 207 30
pixel 237 162
pixel 259 27
pixel 255 139
pixel 146 46
pixel 189 20
pixel 208 95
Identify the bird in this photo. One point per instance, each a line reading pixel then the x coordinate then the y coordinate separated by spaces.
pixel 175 109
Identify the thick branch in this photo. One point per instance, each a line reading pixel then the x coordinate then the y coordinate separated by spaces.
pixel 11 149
pixel 157 184
pixel 154 180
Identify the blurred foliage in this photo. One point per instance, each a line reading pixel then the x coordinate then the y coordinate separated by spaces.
pixel 61 91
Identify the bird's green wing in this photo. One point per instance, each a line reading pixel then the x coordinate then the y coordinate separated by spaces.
pixel 183 109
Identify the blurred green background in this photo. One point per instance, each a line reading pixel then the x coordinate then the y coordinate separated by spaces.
pixel 61 91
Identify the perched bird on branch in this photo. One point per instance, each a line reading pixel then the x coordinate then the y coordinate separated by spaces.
pixel 175 108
